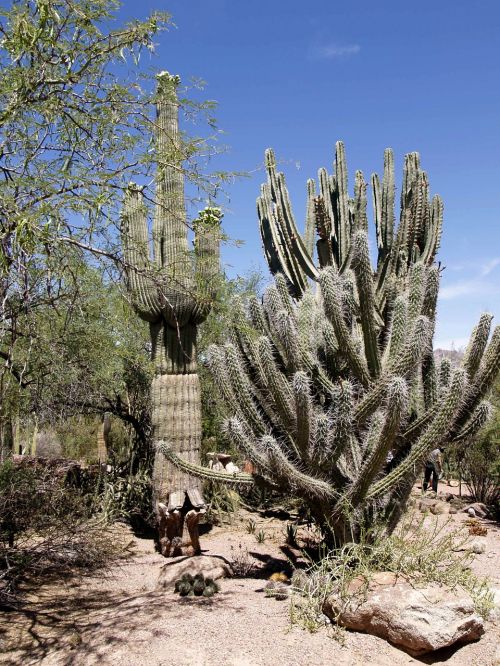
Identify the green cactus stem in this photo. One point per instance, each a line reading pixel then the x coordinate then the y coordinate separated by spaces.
pixel 173 292
pixel 335 397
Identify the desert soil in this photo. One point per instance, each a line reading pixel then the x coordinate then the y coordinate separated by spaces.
pixel 123 618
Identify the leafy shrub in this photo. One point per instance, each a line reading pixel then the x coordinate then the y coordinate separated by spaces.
pixel 481 469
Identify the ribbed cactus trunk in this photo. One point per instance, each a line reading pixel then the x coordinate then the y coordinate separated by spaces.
pixel 173 293
pixel 335 397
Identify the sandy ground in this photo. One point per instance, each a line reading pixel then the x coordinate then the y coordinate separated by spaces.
pixel 124 619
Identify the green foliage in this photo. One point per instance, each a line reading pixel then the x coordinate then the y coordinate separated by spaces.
pixel 260 536
pixel 125 497
pixel 250 526
pixel 67 134
pixel 90 357
pixel 480 459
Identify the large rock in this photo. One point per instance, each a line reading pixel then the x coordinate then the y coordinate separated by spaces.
pixel 209 566
pixel 417 620
pixel 479 509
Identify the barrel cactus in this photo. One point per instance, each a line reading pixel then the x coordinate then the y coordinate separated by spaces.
pixel 335 396
pixel 172 292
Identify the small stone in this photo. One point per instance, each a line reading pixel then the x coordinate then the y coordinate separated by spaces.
pixel 478 547
pixel 471 512
pixel 440 508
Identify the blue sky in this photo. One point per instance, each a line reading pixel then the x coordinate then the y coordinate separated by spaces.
pixel 297 76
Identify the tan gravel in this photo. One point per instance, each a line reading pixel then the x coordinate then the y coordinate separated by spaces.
pixel 125 620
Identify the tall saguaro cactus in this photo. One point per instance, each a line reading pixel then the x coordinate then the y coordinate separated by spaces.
pixel 335 397
pixel 172 292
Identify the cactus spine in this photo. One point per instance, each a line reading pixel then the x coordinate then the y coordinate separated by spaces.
pixel 172 292
pixel 335 397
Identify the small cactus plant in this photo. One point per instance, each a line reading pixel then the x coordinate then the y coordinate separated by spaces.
pixel 196 586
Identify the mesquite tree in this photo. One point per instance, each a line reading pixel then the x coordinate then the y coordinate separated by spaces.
pixel 172 292
pixel 335 396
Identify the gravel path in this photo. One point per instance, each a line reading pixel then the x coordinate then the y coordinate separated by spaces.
pixel 125 620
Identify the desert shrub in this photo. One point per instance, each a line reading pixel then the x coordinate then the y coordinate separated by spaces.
pixel 78 437
pixel 420 553
pixel 47 526
pixel 481 468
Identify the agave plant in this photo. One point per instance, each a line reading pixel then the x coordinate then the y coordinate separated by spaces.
pixel 334 396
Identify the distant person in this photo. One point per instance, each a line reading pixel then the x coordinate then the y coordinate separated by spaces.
pixel 434 469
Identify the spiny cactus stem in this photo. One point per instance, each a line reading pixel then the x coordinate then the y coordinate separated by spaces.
pixel 237 479
pixel 433 436
pixel 477 344
pixel 397 401
pixel 364 280
pixel 330 286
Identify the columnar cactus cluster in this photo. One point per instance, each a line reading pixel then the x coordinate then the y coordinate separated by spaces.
pixel 173 292
pixel 335 397
pixel 334 215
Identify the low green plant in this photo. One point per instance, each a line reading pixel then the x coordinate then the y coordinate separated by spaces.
pixel 196 586
pixel 260 536
pixel 251 526
pixel 291 534
pixel 420 553
pixel 242 563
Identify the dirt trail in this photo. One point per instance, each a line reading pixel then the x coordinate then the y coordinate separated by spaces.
pixel 124 619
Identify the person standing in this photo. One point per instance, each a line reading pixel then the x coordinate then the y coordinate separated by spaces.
pixel 433 469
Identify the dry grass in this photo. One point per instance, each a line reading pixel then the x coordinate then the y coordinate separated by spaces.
pixel 419 553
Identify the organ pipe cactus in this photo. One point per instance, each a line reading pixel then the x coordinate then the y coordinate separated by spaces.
pixel 172 292
pixel 335 397
pixel 336 216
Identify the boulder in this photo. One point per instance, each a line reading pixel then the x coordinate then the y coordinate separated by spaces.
pixel 478 509
pixel 419 620
pixel 440 508
pixel 209 566
pixel 425 504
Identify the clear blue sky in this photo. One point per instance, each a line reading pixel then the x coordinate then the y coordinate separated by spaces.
pixel 297 76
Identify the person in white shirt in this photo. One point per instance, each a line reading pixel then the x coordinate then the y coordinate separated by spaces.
pixel 433 468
